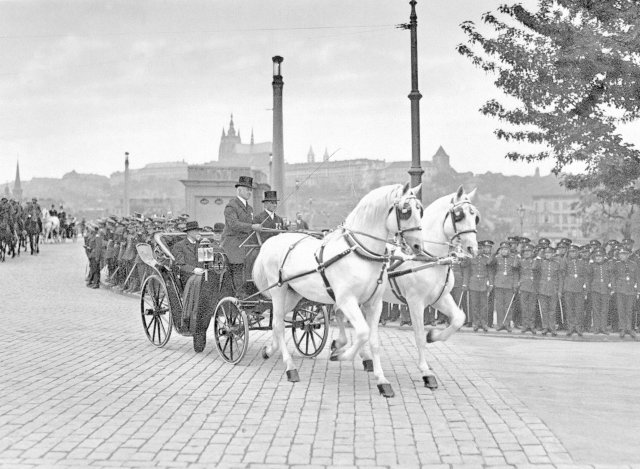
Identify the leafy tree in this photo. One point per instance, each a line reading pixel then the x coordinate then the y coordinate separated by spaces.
pixel 574 68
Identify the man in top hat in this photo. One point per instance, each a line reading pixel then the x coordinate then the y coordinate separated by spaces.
pixel 239 224
pixel 626 277
pixel 198 290
pixel 268 217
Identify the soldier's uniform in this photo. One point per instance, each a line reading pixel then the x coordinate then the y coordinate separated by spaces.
pixel 549 288
pixel 600 274
pixel 457 292
pixel 529 269
pixel 94 254
pixel 575 272
pixel 478 281
pixel 626 277
pixel 504 282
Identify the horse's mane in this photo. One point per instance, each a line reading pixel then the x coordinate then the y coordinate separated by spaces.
pixel 373 207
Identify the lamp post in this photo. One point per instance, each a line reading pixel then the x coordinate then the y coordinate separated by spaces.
pixel 277 168
pixel 521 211
pixel 125 205
pixel 416 170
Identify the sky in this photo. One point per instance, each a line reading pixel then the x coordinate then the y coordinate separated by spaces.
pixel 83 82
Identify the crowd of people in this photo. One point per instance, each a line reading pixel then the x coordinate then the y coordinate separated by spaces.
pixel 544 288
pixel 22 224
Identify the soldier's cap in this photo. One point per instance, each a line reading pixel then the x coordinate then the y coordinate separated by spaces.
pixel 504 244
pixel 628 241
pixel 549 249
pixel 599 252
pixel 574 247
pixel 524 239
pixel 566 240
pixel 612 242
pixel 528 247
pixel 595 242
pixel 512 238
pixel 487 242
pixel 218 227
pixel 562 244
pixel 4 198
pixel 544 241
pixel 624 250
pixel 585 248
pixel 34 199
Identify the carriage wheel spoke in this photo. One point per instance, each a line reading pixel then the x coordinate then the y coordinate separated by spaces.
pixel 148 324
pixel 315 347
pixel 319 336
pixel 163 328
pixel 225 346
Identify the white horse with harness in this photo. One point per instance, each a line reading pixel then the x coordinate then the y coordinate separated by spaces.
pixel 449 222
pixel 294 266
pixel 50 226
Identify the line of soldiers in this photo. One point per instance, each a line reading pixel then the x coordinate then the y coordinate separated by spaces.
pixel 540 287
pixel 18 221
pixel 110 243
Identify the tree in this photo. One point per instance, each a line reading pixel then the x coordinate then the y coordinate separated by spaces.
pixel 574 68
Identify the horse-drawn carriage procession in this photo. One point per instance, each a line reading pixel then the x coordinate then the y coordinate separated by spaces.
pixel 389 248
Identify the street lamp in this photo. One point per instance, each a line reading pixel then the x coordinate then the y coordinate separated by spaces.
pixel 521 211
pixel 277 167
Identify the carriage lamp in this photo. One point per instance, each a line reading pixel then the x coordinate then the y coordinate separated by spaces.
pixel 277 60
pixel 205 255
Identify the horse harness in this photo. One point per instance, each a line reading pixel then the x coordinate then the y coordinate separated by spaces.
pixel 401 213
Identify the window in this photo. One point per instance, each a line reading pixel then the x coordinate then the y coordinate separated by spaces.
pixel 556 205
pixel 565 219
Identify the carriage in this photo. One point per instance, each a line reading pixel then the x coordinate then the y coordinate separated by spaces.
pixel 163 305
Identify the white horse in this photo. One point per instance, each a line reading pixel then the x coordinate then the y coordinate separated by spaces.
pixel 346 268
pixel 448 222
pixel 50 227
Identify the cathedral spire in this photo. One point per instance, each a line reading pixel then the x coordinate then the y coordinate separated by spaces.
pixel 325 157
pixel 223 135
pixel 252 136
pixel 17 185
pixel 311 156
pixel 232 130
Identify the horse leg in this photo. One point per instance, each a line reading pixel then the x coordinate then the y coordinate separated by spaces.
pixel 353 313
pixel 341 341
pixel 283 300
pixel 372 311
pixel 448 306
pixel 416 310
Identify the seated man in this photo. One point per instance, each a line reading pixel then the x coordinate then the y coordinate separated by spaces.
pixel 198 291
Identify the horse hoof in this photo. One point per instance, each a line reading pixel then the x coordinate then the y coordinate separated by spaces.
pixel 386 390
pixel 430 338
pixel 335 356
pixel 292 376
pixel 368 365
pixel 265 355
pixel 430 382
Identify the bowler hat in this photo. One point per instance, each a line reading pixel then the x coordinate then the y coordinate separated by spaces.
pixel 245 181
pixel 218 227
pixel 191 225
pixel 270 196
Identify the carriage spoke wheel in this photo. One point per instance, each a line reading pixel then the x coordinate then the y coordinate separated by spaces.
pixel 310 329
pixel 231 329
pixel 155 311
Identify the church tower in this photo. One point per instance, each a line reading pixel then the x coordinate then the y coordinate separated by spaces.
pixel 17 185
pixel 228 142
pixel 311 156
pixel 441 160
pixel 325 157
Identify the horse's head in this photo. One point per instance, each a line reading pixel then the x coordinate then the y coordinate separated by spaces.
pixel 461 221
pixel 404 217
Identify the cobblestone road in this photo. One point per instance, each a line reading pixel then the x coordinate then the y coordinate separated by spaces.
pixel 82 387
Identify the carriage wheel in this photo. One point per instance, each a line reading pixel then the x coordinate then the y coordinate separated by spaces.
pixel 231 329
pixel 310 329
pixel 156 311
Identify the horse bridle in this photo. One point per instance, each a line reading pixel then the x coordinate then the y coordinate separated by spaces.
pixel 404 213
pixel 454 212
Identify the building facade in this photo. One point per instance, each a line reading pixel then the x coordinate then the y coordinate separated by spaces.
pixel 555 216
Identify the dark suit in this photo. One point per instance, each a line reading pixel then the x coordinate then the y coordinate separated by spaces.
pixel 238 220
pixel 264 219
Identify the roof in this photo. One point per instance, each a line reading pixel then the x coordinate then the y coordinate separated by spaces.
pixel 247 148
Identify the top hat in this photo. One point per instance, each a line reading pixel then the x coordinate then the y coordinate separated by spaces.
pixel 245 181
pixel 191 225
pixel 270 196
pixel 218 227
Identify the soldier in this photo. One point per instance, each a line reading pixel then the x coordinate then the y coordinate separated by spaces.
pixel 504 281
pixel 549 290
pixel 94 253
pixel 478 284
pixel 600 290
pixel 529 268
pixel 268 217
pixel 585 258
pixel 238 215
pixel 626 277
pixel 575 272
pixel 457 292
